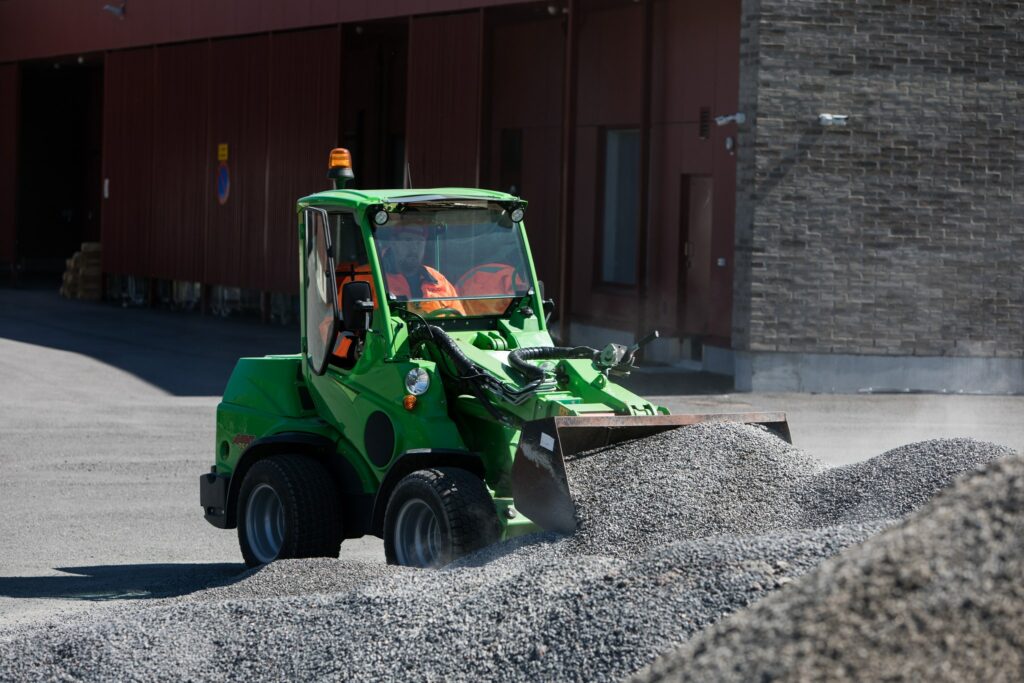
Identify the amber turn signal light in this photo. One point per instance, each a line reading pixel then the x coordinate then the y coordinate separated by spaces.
pixel 409 402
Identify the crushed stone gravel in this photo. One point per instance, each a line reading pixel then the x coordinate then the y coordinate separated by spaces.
pixel 937 597
pixel 676 532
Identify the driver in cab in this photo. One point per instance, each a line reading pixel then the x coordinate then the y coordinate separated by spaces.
pixel 408 276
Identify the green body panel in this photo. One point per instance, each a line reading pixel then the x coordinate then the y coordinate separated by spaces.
pixel 265 395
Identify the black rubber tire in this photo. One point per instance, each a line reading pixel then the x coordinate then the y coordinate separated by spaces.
pixel 312 511
pixel 461 504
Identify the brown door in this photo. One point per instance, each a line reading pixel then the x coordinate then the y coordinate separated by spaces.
pixel 695 215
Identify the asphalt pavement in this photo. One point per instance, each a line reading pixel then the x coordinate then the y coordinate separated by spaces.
pixel 107 419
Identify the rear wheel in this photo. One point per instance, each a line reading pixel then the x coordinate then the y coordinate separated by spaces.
pixel 438 515
pixel 288 508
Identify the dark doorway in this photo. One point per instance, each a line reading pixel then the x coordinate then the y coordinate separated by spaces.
pixel 695 215
pixel 59 162
pixel 373 65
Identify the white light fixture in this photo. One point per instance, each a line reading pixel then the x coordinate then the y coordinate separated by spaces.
pixel 830 120
pixel 118 11
pixel 417 381
pixel 739 118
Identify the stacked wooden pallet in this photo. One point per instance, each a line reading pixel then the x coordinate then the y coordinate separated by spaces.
pixel 83 278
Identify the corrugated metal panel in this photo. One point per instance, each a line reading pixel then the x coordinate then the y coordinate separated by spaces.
pixel 727 67
pixel 180 162
pixel 30 29
pixel 128 162
pixel 238 117
pixel 305 80
pixel 443 103
pixel 610 60
pixel 9 102
pixel 526 96
pixel 609 90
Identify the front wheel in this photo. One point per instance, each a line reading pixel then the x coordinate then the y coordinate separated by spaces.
pixel 437 515
pixel 288 508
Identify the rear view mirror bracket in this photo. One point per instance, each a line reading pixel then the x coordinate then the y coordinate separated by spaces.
pixel 357 306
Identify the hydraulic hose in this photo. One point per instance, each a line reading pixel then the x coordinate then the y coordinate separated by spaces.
pixel 448 346
pixel 473 376
pixel 520 358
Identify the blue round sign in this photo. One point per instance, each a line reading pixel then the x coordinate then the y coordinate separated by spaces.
pixel 223 183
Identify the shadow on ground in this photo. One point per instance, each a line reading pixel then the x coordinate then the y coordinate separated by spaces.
pixel 184 354
pixel 121 582
pixel 187 354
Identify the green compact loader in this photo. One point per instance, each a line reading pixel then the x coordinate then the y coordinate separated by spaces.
pixel 428 405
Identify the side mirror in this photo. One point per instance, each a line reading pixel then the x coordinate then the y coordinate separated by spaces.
pixel 549 304
pixel 549 309
pixel 357 306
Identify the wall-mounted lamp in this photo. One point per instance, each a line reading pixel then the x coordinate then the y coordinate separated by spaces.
pixel 828 120
pixel 739 118
pixel 118 11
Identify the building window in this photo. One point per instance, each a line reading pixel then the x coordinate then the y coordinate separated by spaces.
pixel 621 206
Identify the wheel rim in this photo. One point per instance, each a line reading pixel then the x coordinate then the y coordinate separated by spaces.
pixel 417 535
pixel 264 523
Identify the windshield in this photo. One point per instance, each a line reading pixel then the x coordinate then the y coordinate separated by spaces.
pixel 454 259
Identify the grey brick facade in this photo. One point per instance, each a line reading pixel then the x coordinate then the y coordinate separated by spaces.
pixel 901 234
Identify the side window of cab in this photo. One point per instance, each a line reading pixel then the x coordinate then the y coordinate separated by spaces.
pixel 351 265
pixel 351 261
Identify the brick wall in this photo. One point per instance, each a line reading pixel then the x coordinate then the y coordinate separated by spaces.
pixel 902 233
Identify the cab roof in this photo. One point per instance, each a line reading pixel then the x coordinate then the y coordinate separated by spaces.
pixel 361 199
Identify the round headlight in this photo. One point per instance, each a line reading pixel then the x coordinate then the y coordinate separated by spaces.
pixel 381 217
pixel 516 215
pixel 417 381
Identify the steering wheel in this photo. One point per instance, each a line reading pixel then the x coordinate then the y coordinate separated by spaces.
pixel 445 313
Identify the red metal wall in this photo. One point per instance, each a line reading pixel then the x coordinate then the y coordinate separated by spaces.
pixel 727 86
pixel 444 97
pixel 609 95
pixel 128 137
pixel 696 47
pixel 30 29
pixel 695 66
pixel 9 103
pixel 180 161
pixel 526 95
pixel 272 99
pixel 305 81
pixel 238 117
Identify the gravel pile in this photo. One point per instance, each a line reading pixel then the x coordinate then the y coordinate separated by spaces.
pixel 738 479
pixel 296 577
pixel 676 532
pixel 938 597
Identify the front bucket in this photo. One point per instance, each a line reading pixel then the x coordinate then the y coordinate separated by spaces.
pixel 540 487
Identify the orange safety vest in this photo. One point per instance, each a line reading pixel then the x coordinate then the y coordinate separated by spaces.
pixel 399 286
pixel 438 289
pixel 489 279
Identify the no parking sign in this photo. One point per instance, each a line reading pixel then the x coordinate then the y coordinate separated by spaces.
pixel 223 174
pixel 223 183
